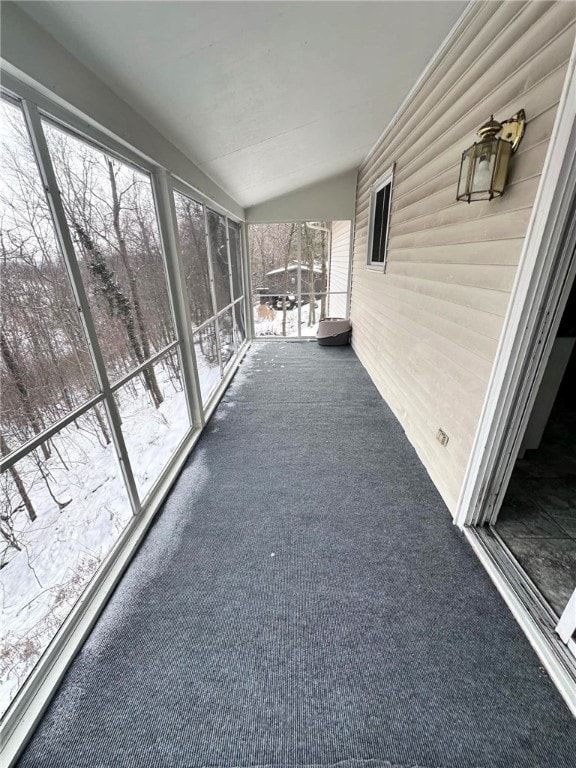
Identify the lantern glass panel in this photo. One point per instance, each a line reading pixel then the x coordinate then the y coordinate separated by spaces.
pixel 501 169
pixel 484 160
pixel 464 181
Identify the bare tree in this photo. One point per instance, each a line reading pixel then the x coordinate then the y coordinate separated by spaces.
pixel 19 486
pixel 15 369
pixel 136 307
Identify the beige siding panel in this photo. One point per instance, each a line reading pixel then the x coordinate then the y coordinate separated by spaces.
pixel 432 198
pixel 475 330
pixel 433 371
pixel 419 420
pixel 418 198
pixel 499 226
pixel 459 347
pixel 479 322
pixel 471 343
pixel 445 210
pixel 494 302
pixel 495 277
pixel 427 328
pixel 460 133
pixel 428 207
pixel 463 253
pixel 337 305
pixel 362 220
pixel 422 417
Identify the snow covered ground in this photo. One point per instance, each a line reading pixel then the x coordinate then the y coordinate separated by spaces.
pixel 81 504
pixel 208 372
pixel 268 322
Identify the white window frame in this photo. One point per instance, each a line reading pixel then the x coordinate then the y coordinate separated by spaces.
pixel 383 181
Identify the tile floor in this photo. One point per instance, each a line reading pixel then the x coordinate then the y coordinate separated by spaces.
pixel 538 518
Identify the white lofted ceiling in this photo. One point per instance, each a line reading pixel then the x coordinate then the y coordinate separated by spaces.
pixel 265 97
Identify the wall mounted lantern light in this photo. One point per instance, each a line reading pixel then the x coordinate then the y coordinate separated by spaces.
pixel 484 165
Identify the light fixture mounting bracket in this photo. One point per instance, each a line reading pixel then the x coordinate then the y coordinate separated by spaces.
pixel 512 129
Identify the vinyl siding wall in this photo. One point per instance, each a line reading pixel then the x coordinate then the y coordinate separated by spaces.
pixel 339 268
pixel 427 328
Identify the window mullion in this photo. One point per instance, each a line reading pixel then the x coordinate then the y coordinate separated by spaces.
pixel 168 225
pixel 48 176
pixel 209 256
pixel 229 260
pixel 246 272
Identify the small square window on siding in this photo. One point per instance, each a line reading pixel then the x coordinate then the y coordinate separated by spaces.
pixel 380 219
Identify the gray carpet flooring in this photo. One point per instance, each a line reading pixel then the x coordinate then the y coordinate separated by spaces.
pixel 304 600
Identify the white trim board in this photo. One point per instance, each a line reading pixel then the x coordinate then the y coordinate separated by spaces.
pixel 544 267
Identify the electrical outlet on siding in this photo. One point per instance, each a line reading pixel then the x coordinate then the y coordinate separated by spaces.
pixel 442 437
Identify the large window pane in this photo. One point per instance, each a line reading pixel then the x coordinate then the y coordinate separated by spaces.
pixel 153 432
pixel 111 214
pixel 273 247
pixel 46 370
pixel 219 253
pixel 60 517
pixel 275 271
pixel 235 259
pixel 192 234
pixel 206 348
